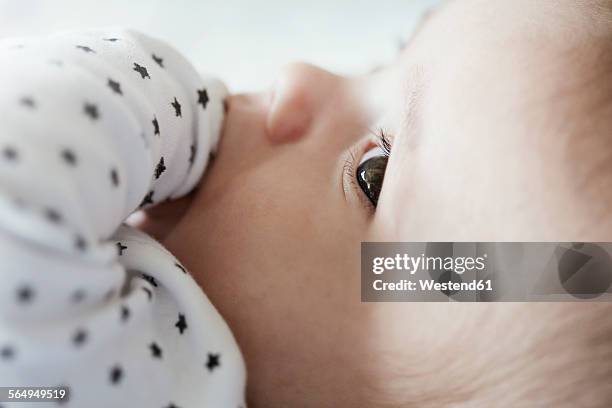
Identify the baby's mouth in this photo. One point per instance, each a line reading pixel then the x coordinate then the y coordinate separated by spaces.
pixel 246 110
pixel 248 101
pixel 244 120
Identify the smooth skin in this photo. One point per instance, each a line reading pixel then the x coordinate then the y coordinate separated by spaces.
pixel 500 118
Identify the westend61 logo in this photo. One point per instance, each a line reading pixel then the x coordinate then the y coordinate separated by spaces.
pixel 485 272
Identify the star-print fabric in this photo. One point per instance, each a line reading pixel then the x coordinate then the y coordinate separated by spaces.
pixel 94 126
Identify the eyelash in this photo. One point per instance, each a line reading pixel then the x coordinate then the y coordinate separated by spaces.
pixel 385 141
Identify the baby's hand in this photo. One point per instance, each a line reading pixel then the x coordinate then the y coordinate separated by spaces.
pixel 159 220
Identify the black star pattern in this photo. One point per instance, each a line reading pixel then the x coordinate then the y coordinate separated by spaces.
pixel 155 126
pixel 125 313
pixel 181 324
pixel 78 296
pixel 192 154
pixel 159 60
pixel 149 279
pixel 142 71
pixel 148 199
pixel 27 102
pixel 121 248
pixel 116 373
pixel 177 108
pixel 53 215
pixel 160 168
pixel 9 153
pixel 115 86
pixel 80 243
pixel 203 98
pixel 181 267
pixel 69 157
pixel 213 361
pixel 79 338
pixel 148 292
pixel 91 110
pixel 156 352
pixel 111 39
pixel 25 294
pixel 7 353
pixel 85 48
pixel 114 176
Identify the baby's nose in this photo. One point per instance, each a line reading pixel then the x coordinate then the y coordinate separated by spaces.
pixel 297 95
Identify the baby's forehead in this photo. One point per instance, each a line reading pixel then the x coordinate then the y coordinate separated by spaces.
pixel 511 26
pixel 486 87
pixel 496 56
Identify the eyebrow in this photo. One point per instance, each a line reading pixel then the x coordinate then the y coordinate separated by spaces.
pixel 410 120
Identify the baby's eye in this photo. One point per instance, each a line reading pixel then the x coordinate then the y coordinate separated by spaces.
pixel 371 172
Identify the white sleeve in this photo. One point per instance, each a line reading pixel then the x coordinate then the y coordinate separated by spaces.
pixel 95 125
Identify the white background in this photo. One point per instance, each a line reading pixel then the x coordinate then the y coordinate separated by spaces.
pixel 243 42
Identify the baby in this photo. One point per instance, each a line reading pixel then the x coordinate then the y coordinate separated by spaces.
pixel 496 124
pixel 95 126
pixel 497 118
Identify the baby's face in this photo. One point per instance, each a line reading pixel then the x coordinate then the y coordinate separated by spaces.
pixel 472 107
